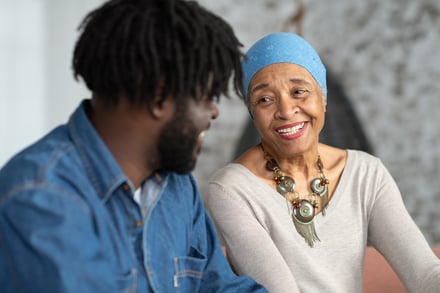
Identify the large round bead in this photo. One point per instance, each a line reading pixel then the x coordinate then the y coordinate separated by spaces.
pixel 304 213
pixel 287 184
pixel 317 187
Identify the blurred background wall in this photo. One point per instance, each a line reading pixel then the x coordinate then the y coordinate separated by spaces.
pixel 384 54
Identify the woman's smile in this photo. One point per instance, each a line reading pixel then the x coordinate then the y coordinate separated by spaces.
pixel 292 131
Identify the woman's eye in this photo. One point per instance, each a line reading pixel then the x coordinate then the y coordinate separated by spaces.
pixel 264 100
pixel 300 92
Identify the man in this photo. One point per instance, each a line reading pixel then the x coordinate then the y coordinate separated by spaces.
pixel 104 203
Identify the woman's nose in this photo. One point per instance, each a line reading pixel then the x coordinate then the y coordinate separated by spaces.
pixel 286 108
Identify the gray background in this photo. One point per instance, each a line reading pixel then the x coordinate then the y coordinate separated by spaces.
pixel 385 54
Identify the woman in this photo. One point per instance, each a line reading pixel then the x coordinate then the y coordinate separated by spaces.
pixel 296 214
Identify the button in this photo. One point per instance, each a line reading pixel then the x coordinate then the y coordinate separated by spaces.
pixel 138 223
pixel 126 187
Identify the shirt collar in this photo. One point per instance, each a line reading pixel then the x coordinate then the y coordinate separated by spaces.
pixel 102 168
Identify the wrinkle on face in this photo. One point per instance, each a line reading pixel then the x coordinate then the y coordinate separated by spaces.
pixel 283 95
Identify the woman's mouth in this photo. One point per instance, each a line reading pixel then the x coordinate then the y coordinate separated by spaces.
pixel 291 130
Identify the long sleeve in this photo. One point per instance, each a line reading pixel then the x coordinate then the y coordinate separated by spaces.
pixel 251 251
pixel 218 275
pixel 392 231
pixel 366 208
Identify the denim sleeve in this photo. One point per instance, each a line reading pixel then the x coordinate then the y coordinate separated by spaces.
pixel 48 243
pixel 218 275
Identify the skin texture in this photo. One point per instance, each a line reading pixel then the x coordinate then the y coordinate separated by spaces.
pixel 135 133
pixel 284 96
pixel 181 139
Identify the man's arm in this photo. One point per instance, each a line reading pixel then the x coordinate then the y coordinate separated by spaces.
pixel 48 243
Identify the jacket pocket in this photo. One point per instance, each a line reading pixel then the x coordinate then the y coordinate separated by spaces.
pixel 189 271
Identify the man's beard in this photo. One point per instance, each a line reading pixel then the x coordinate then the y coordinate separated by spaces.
pixel 177 144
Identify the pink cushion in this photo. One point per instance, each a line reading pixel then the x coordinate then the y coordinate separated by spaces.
pixel 379 276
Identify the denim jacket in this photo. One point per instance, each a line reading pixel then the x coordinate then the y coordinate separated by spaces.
pixel 69 223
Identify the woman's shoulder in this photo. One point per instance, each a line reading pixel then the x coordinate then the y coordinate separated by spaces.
pixel 231 169
pixel 361 162
pixel 338 161
pixel 242 169
pixel 338 155
pixel 362 157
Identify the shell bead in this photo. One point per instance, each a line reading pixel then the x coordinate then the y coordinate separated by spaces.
pixel 305 212
pixel 287 184
pixel 318 187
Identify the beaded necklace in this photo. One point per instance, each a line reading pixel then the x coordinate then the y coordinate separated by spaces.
pixel 301 209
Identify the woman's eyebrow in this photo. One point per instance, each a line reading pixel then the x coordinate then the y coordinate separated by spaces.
pixel 300 81
pixel 259 87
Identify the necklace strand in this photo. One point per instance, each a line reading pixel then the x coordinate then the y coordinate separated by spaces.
pixel 302 210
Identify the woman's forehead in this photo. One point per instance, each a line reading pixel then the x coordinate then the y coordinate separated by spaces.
pixel 286 72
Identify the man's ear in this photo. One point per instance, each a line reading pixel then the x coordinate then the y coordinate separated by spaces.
pixel 161 107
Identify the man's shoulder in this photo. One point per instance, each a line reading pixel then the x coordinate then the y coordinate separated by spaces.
pixel 49 161
pixel 183 182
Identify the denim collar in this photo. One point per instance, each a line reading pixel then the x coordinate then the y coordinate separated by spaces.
pixel 101 166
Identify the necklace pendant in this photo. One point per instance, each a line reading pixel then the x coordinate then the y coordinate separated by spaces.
pixel 302 211
pixel 320 187
pixel 286 184
pixel 303 216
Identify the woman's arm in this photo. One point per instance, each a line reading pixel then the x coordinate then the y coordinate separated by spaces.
pixel 249 246
pixel 393 232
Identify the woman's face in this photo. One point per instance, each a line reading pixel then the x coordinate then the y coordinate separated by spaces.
pixel 288 108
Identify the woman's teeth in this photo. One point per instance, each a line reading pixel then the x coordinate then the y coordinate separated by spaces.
pixel 292 130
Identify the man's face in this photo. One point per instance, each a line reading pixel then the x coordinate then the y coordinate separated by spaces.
pixel 181 139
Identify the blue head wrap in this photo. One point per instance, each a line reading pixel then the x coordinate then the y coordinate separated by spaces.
pixel 279 48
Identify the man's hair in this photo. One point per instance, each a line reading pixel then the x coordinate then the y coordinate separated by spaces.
pixel 142 48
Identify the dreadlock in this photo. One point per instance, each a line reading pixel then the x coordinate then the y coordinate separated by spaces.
pixel 139 48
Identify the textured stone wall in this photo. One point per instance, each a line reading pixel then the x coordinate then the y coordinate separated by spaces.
pixel 386 55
